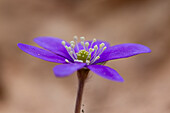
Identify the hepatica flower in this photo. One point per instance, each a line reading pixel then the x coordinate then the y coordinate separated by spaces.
pixel 85 54
pixel 82 57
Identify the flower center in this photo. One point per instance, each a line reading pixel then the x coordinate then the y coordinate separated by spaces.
pixel 84 55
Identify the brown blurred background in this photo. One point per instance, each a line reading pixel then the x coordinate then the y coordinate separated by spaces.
pixel 27 84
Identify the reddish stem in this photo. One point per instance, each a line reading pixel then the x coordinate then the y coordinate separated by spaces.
pixel 82 75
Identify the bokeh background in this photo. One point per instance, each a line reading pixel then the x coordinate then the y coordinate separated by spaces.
pixel 28 85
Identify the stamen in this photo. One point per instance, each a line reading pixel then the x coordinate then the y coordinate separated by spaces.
pixel 88 62
pixel 102 45
pixel 78 61
pixel 102 50
pixel 67 61
pixel 87 45
pixel 71 54
pixel 95 48
pixel 82 43
pixel 75 39
pixel 90 51
pixel 95 59
pixel 72 42
pixel 63 43
pixel 84 55
pixel 69 49
pixel 82 38
pixel 94 40
pixel 72 46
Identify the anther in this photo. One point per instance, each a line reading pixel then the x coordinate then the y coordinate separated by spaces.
pixel 94 40
pixel 75 38
pixel 63 43
pixel 88 62
pixel 66 61
pixel 104 48
pixel 72 45
pixel 69 49
pixel 71 52
pixel 87 44
pixel 82 43
pixel 82 38
pixel 102 45
pixel 98 57
pixel 72 42
pixel 95 47
pixel 91 50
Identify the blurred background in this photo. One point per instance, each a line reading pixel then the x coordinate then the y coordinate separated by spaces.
pixel 28 85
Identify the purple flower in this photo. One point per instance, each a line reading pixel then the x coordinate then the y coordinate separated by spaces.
pixel 86 54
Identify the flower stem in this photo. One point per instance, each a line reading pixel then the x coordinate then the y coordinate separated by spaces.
pixel 82 75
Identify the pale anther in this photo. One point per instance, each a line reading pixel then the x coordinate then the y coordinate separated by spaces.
pixel 91 50
pixel 82 43
pixel 72 42
pixel 72 45
pixel 95 47
pixel 71 52
pixel 86 44
pixel 94 40
pixel 102 45
pixel 75 38
pixel 66 61
pixel 69 48
pixel 82 38
pixel 63 43
pixel 104 48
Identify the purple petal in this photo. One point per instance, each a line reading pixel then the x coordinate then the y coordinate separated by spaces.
pixel 106 72
pixel 41 53
pixel 54 45
pixel 67 69
pixel 122 51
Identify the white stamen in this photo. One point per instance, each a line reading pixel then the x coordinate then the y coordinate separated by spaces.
pixel 75 39
pixel 95 47
pixel 72 46
pixel 90 51
pixel 72 42
pixel 102 45
pixel 102 50
pixel 86 52
pixel 95 54
pixel 87 45
pixel 95 59
pixel 82 43
pixel 63 43
pixel 88 62
pixel 78 61
pixel 69 49
pixel 94 40
pixel 67 61
pixel 82 38
pixel 71 54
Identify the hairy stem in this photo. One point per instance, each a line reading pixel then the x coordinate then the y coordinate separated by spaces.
pixel 82 75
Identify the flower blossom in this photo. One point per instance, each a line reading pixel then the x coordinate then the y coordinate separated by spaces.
pixel 90 55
